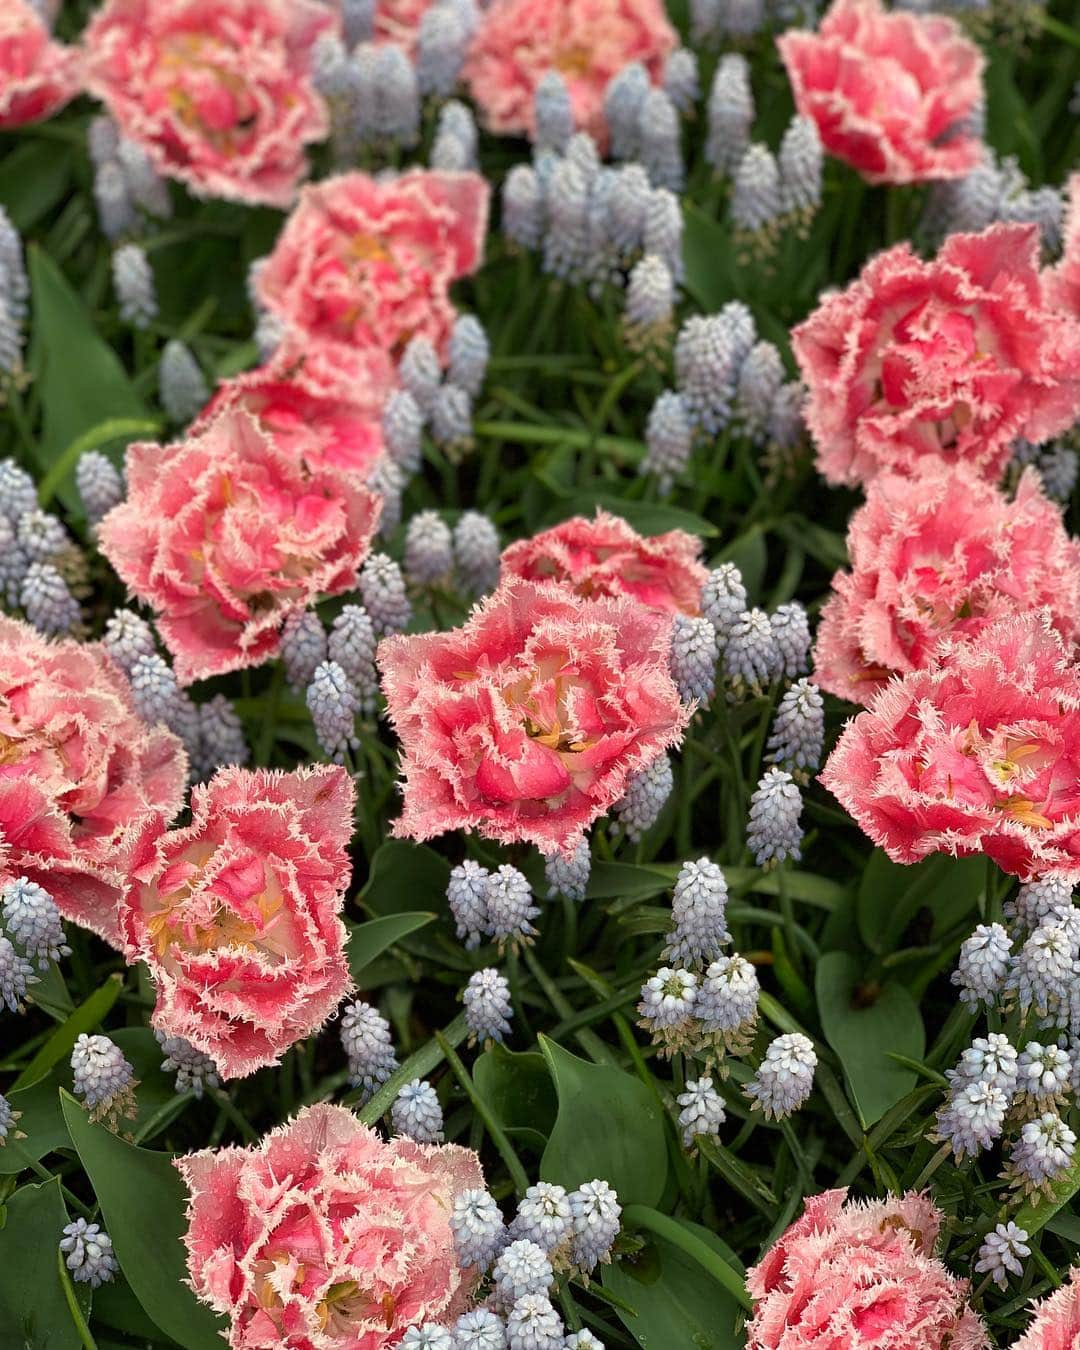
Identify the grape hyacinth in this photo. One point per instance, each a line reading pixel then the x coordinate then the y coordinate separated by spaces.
pixel 523 207
pixel 623 98
pixel 351 645
pixel 181 383
pixel 33 921
pixel 1043 1074
pixel 451 419
pixel 702 1111
pixel 723 600
pixel 774 832
pixel 666 1009
pixel 103 1078
pixel 1003 1253
pixel 596 1213
pixel 645 797
pixel 421 372
pixel 544 1217
pixel 478 1229
pixel 382 589
pixel 694 655
pixel 756 203
pixel 417 1114
pixel 16 975
pixel 220 738
pixel 469 354
pixel 521 1268
pixel 441 44
pixel 751 658
pixel 481 1329
pixel 801 161
pixel 791 634
pixel 669 439
pixel 427 1336
pixel 785 1077
pixel 429 549
pixel 661 141
pixel 9 1119
pixel 554 113
pixel 650 303
pixel 983 965
pixel 726 1007
pixel 466 894
pixel 681 79
pixel 1041 1154
pixel 972 1118
pixel 569 877
pixel 533 1324
pixel 47 601
pixel 366 1039
pixel 476 552
pixel 730 113
pixel 88 1253
pixel 303 648
pixel 798 730
pixel 487 1006
pixel 698 910
pixel 133 282
pixel 127 637
pixel 99 485
pixel 195 1072
pixel 509 905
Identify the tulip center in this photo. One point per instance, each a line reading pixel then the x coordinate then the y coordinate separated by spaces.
pixel 544 700
pixel 208 96
pixel 574 61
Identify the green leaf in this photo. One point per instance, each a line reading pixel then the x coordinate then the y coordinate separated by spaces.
pixel 676 1306
pixel 85 1017
pixel 863 1036
pixel 629 881
pixel 519 1091
pixel 404 877
pixel 117 1307
pixel 708 256
pixel 367 941
pixel 34 1313
pixel 750 556
pixel 645 517
pixel 105 433
pixel 1038 1212
pixel 33 179
pixel 143 1200
pixel 891 895
pixel 50 994
pixel 609 1126
pixel 78 376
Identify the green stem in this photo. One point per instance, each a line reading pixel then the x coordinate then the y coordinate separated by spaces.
pixel 640 1216
pixel 418 1065
pixel 495 1130
pixel 73 1307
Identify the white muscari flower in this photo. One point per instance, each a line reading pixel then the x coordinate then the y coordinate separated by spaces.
pixel 41 536
pixel 706 369
pixel 1041 1154
pixel 791 633
pixel 470 352
pixel 786 424
pixel 9 1118
pixel 127 637
pixel 751 658
pixel 466 894
pixel 220 738
pixel 730 113
pixel 476 552
pixel 989 1059
pixel 181 384
pixel 972 1118
pixel 543 1216
pixel 666 1009
pixel 1043 1074
pixel 663 231
pixel 382 589
pixel 533 1324
pixel 133 282
pixel 554 112
pixel 798 730
pixel 421 372
pixel 521 1268
pixel 98 483
pixel 650 302
pixel 441 43
pixel 702 1110
pixel 478 1229
pixel 481 1329
pixel 366 1039
pixel 451 418
pixel 49 605
pixel 402 425
pixel 427 1336
pixel 397 101
pixel 103 1078
pixel 33 921
pixel 1003 1253
pixel 566 239
pixel 755 197
pixel 583 1340
pixel 646 794
pixel 983 964
pixel 628 208
pixel 723 600
pixel 303 648
pixel 801 159
pixel 510 907
pixel 760 379
pixel 597 1212
pixel 16 974
pixel 13 563
pixel 698 911
pixel 429 549
pixel 693 658
pixel 1058 467
pixel 785 1078
pixel 523 207
pixel 195 1072
pixel 487 1006
pixel 773 832
pixel 625 93
pixel 569 877
pixel 334 705
pixel 669 439
pixel 681 79
pixel 456 122
pixel 352 645
pixel 417 1114
pixel 1042 970
pixel 17 491
pixel 727 1004
pixel 148 189
pixel 88 1253
pixel 661 141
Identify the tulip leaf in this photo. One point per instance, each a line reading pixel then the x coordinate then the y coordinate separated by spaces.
pixel 367 941
pixel 143 1201
pixel 608 1126
pixel 59 1045
pixel 519 1091
pixel 34 1313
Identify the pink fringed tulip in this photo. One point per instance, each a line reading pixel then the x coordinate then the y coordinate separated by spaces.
pixel 953 358
pixel 368 262
pixel 605 556
pixel 217 92
pixel 37 75
pixel 237 914
pixel 81 776
pixel 585 41
pixel 321 404
pixel 892 93
pixel 1056 1325
pixel 1063 281
pixel 851 1275
pixel 977 753
pixel 323 1237
pixel 528 721
pixel 227 533
pixel 940 554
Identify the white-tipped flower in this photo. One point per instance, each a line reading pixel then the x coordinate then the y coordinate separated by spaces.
pixel 476 552
pixel 1003 1253
pixel 597 1212
pixel 481 1329
pixel 774 832
pixel 88 1253
pixel 791 634
pixel 510 907
pixel 650 302
pixel 368 1046
pixel 521 1268
pixel 1043 1152
pixel 702 1111
pixel 352 645
pixel 469 353
pixel 569 877
pixel 303 648
pixel 669 439
pixel 723 600
pixel 127 637
pixel 628 201
pixel 523 207
pixel 334 705
pixel 397 103
pixel 727 1004
pixel 755 195
pixel 730 113
pixel 421 372
pixel 663 232
pixel 623 97
pixel 533 1324
pixel 1036 903
pixel 417 1114
pixel 49 605
pixel 103 1078
pixel 9 1119
pixel 989 1059
pixel 427 1336
pixel 466 894
pixel 99 485
pixel 751 658
pixel 441 43
pixel 451 418
pixel 1043 1074
pixel 221 739
pixel 181 383
pixel 112 197
pixel 698 911
pixel 554 112
pixel 1058 467
pixel 1041 973
pixel 798 730
pixel 478 1229
pixel 785 1078
pixel 681 78
pixel 16 974
pixel 706 368
pixel 402 425
pixel 429 549
pixel 760 380
pixel 972 1118
pixel 661 141
pixel 645 797
pixel 694 654
pixel 802 159
pixel 456 124
pixel 382 589
pixel 17 491
pixel 487 1006
pixel 666 1009
pixel 195 1072
pixel 133 282
pixel 544 1217
pixel 33 921
pixel 983 965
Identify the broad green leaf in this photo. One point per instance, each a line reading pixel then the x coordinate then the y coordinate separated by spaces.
pixel 34 177
pixel 863 1026
pixel 85 1017
pixel 708 254
pixel 110 431
pixel 629 881
pixel 676 1305
pixel 609 1125
pixel 367 941
pixel 34 1313
pixel 519 1090
pixel 50 994
pixel 42 1120
pixel 1039 1211
pixel 405 877
pixel 822 892
pixel 116 1306
pixel 78 376
pixel 891 895
pixel 143 1200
